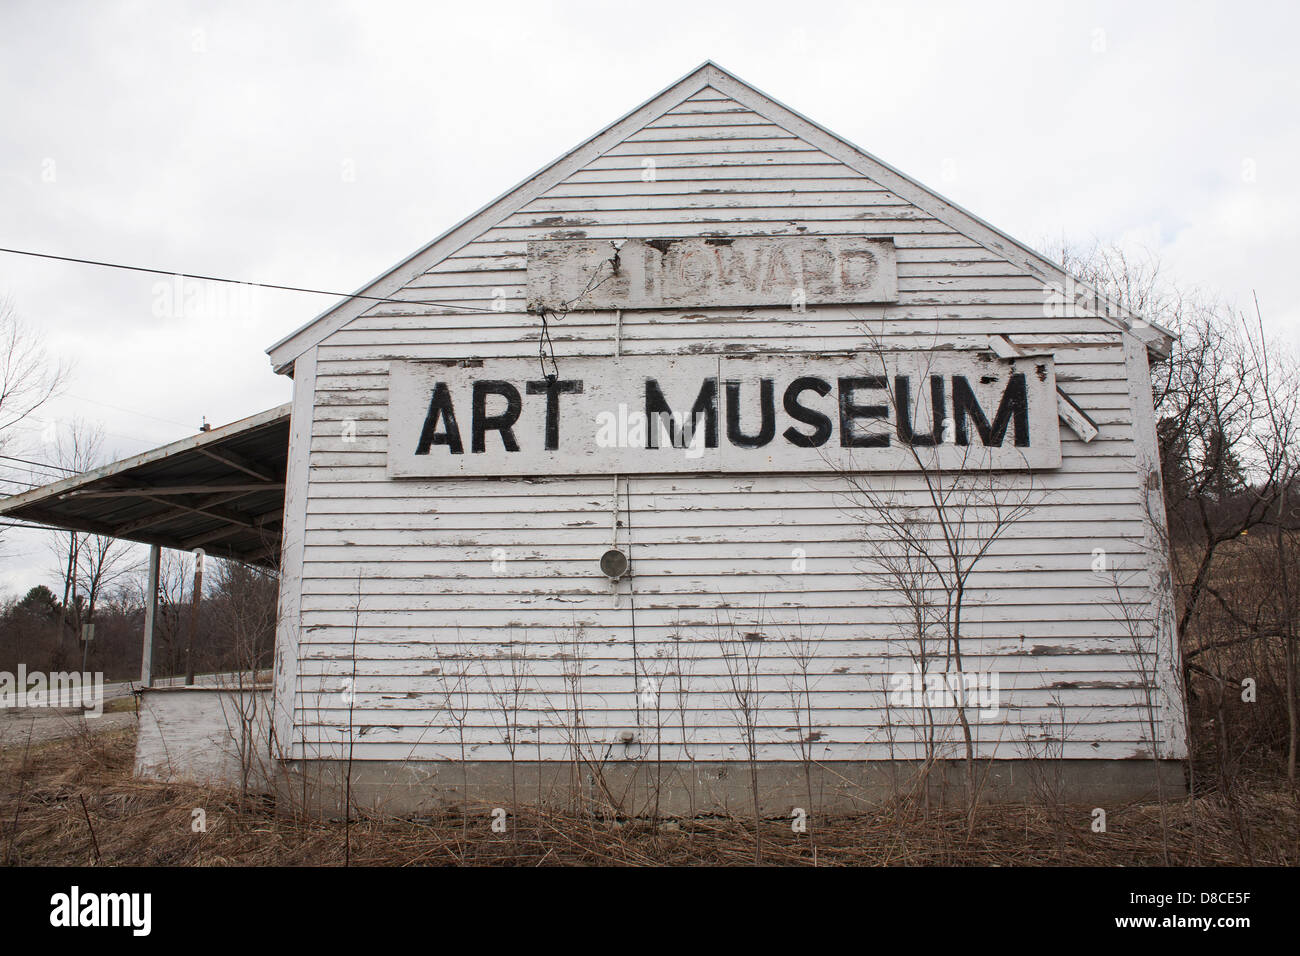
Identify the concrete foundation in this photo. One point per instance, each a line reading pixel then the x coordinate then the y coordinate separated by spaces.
pixel 639 788
pixel 219 737
pixel 212 736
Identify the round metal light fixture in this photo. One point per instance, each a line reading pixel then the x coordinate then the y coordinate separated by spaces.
pixel 614 564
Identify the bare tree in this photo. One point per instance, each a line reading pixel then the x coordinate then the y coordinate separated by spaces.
pixel 509 693
pixel 174 585
pixel 803 650
pixel 244 613
pixel 925 543
pixel 28 376
pixel 29 379
pixel 742 658
pixel 1276 443
pixel 684 669
pixel 454 675
pixel 89 564
pixel 1227 405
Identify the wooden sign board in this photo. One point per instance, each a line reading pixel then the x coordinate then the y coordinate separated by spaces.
pixel 903 411
pixel 792 271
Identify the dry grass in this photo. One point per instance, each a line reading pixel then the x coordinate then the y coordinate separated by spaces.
pixel 139 823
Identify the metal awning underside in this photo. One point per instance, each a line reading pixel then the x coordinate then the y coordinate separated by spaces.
pixel 221 490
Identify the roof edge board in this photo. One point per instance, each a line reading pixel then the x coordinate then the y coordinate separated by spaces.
pixel 87 526
pixel 286 350
pixel 1159 340
pixel 191 443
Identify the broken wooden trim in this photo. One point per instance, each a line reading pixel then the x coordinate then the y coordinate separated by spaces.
pixel 169 490
pixel 1075 417
pixel 1067 409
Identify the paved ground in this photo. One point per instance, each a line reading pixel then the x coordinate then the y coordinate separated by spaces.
pixel 113 691
pixel 44 724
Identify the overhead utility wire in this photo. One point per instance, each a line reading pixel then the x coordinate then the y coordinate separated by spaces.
pixel 41 464
pixel 260 285
pixel 120 408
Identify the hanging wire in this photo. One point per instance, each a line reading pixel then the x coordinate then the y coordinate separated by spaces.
pixel 631 595
pixel 544 341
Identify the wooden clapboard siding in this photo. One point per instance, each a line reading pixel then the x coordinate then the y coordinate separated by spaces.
pixel 405 583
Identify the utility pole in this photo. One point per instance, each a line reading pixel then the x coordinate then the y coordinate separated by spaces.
pixel 194 615
pixel 61 637
pixel 150 616
pixel 87 635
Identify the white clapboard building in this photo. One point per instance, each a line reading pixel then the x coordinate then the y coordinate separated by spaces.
pixel 720 445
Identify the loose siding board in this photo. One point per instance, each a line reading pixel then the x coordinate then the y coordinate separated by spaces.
pixel 430 579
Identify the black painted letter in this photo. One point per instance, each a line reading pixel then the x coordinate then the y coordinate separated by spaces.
pixel 1013 409
pixel 801 413
pixel 440 409
pixel 850 412
pixel 553 388
pixel 767 415
pixel 681 434
pixel 903 411
pixel 503 423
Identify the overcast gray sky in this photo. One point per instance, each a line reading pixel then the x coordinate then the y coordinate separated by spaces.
pixel 317 144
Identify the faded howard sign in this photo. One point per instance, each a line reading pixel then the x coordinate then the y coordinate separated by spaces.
pixel 568 275
pixel 712 413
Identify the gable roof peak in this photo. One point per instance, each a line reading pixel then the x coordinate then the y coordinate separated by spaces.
pixel 708 74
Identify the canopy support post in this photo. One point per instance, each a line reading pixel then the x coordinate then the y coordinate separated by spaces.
pixel 150 615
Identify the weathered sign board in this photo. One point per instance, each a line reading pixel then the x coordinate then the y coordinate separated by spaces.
pixel 904 411
pixel 569 275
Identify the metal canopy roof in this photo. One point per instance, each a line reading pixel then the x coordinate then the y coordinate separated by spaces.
pixel 221 490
